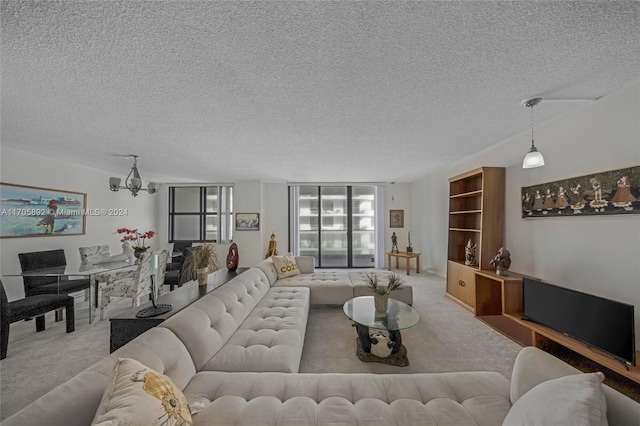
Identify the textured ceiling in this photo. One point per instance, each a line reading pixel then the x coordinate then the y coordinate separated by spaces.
pixel 298 91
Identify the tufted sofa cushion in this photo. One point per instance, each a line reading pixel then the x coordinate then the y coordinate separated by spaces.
pixel 328 287
pixel 474 398
pixel 206 325
pixel 272 336
pixel 361 287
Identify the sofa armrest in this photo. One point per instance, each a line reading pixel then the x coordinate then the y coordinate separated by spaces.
pixel 534 366
pixel 306 264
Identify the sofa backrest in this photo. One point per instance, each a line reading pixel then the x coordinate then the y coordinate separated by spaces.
pixel 269 270
pixel 76 401
pixel 306 264
pixel 206 325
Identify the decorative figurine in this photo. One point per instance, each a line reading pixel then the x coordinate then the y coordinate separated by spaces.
pixel 623 196
pixel 577 200
pixel 470 253
pixel 273 246
pixel 598 203
pixel 394 243
pixel 502 261
pixel 233 257
pixel 409 246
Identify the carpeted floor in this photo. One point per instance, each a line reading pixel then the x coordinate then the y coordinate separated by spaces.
pixel 447 338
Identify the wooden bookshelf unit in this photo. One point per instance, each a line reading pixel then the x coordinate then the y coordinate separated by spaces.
pixel 498 303
pixel 476 211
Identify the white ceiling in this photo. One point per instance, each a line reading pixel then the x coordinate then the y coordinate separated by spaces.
pixel 298 91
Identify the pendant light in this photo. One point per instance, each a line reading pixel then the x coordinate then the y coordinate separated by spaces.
pixel 133 182
pixel 534 157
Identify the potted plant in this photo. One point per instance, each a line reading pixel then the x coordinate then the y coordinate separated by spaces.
pixel 381 292
pixel 200 264
pixel 137 239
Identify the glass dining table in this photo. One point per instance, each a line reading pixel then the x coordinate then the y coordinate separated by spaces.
pixel 77 270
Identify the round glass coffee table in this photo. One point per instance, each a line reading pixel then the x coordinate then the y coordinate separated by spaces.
pixel 399 316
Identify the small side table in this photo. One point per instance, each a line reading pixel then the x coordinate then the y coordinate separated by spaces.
pixel 404 255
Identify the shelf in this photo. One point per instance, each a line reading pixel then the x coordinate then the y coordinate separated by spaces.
pixel 540 333
pixel 464 230
pixel 467 194
pixel 466 212
pixel 508 328
pixel 462 263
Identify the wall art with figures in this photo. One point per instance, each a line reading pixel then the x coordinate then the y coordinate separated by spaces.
pixel 604 193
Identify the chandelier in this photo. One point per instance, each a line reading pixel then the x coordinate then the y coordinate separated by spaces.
pixel 133 182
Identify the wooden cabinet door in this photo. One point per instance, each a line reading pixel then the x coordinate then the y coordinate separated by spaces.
pixel 461 283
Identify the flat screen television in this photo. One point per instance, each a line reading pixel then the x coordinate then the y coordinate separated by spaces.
pixel 602 323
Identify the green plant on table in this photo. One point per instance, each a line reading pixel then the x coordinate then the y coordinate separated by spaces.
pixel 394 282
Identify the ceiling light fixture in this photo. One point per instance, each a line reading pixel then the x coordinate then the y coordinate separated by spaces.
pixel 133 182
pixel 534 157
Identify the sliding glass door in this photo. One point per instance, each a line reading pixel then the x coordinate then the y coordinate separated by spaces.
pixel 307 218
pixel 335 224
pixel 363 224
pixel 334 244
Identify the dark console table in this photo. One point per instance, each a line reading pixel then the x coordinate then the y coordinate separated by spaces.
pixel 127 326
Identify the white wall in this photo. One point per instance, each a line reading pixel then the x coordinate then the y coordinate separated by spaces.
pixel 275 216
pixel 597 255
pixel 23 168
pixel 402 200
pixel 248 198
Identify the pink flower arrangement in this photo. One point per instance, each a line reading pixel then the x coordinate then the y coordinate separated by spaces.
pixel 136 238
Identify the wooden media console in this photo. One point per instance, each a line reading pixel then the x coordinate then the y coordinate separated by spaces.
pixel 498 302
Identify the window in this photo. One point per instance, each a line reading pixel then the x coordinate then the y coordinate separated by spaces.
pixel 201 213
pixel 338 225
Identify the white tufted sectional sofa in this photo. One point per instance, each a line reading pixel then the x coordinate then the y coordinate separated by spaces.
pixel 330 287
pixel 233 351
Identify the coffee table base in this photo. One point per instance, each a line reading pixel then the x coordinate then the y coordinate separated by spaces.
pixel 398 359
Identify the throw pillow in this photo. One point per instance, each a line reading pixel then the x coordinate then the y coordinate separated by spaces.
pixel 577 399
pixel 137 395
pixel 286 265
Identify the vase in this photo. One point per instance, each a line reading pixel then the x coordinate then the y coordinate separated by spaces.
pixel 380 302
pixel 138 252
pixel 203 276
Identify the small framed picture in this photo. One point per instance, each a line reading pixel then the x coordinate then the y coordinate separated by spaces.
pixel 247 221
pixel 396 219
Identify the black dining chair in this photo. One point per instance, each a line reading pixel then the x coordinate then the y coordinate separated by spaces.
pixel 29 307
pixel 174 278
pixel 48 285
pixel 179 246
